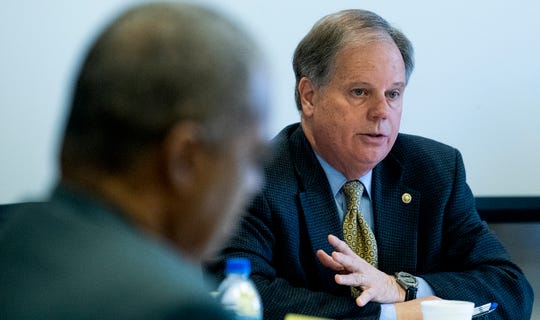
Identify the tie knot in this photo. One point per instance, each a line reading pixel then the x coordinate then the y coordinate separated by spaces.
pixel 352 190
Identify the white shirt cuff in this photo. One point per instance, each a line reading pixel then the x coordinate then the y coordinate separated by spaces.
pixel 424 289
pixel 388 312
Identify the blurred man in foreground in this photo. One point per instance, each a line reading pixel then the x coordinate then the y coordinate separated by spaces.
pixel 159 155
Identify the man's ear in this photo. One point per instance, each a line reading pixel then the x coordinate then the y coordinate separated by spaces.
pixel 180 149
pixel 306 90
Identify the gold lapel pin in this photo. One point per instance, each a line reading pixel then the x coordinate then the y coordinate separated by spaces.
pixel 406 198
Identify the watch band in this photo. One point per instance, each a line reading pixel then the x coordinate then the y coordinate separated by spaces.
pixel 410 293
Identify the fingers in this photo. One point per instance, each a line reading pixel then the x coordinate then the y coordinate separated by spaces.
pixel 354 271
pixel 343 259
pixel 339 245
pixel 351 262
pixel 344 255
pixel 351 279
pixel 329 261
pixel 365 297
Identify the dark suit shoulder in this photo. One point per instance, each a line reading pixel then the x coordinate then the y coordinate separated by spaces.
pixel 70 249
pixel 412 145
pixel 281 147
pixel 423 161
pixel 281 164
pixel 411 150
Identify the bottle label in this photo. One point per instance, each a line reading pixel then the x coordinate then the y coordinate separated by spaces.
pixel 243 299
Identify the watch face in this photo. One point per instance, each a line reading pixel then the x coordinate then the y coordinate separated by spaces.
pixel 407 279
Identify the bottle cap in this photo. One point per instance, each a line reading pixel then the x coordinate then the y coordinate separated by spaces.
pixel 238 266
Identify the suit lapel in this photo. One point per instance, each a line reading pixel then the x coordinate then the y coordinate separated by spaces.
pixel 395 217
pixel 316 200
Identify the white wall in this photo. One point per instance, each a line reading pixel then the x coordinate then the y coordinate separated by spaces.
pixel 474 86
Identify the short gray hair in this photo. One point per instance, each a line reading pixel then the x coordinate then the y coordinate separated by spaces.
pixel 315 54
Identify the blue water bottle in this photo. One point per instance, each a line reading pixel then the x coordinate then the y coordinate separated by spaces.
pixel 237 292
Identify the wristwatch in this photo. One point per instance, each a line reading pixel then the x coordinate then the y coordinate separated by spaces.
pixel 408 282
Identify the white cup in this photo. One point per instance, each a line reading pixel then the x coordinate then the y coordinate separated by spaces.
pixel 447 310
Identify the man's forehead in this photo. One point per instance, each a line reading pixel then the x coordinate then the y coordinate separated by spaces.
pixel 362 62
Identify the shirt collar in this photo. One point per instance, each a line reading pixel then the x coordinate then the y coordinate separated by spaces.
pixel 337 179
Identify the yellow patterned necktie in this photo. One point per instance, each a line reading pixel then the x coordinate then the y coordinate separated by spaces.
pixel 356 231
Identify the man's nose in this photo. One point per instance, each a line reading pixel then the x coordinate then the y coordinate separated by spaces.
pixel 378 108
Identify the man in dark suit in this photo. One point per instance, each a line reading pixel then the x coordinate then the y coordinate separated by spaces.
pixel 421 237
pixel 159 155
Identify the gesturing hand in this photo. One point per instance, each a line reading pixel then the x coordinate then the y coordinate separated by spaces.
pixel 354 271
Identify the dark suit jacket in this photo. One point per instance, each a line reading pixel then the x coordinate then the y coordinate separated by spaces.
pixel 74 257
pixel 437 236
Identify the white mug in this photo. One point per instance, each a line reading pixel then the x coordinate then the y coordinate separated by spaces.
pixel 447 310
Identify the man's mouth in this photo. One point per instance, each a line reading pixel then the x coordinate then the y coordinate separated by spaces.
pixel 375 135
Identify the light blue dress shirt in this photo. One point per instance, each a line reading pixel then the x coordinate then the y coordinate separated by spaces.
pixel 337 180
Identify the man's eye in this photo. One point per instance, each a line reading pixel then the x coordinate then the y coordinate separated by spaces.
pixel 393 94
pixel 358 92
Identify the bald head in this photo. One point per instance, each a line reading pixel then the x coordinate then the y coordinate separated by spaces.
pixel 156 65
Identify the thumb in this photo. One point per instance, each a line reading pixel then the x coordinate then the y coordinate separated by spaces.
pixel 364 297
